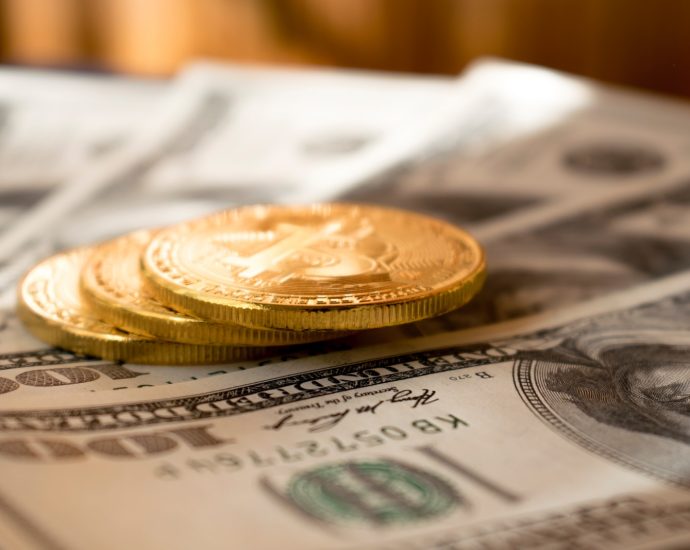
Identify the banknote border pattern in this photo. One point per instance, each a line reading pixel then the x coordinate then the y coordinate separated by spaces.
pixel 89 419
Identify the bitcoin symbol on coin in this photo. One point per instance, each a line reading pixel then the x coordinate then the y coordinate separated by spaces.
pixel 331 250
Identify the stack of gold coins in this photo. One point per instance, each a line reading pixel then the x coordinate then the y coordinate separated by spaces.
pixel 241 283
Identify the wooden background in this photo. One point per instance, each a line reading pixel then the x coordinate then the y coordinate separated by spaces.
pixel 642 43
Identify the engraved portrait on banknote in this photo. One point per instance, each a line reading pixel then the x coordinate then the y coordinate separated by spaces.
pixel 619 385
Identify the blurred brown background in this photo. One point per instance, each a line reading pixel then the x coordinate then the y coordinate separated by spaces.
pixel 641 43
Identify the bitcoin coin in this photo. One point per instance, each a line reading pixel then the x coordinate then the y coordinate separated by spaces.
pixel 52 310
pixel 111 286
pixel 327 266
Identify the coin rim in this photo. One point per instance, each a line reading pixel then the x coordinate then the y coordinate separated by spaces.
pixel 190 330
pixel 132 348
pixel 354 318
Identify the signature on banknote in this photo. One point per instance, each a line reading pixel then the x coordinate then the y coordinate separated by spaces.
pixel 324 422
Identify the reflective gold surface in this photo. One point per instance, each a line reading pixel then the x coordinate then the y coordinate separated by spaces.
pixel 328 266
pixel 51 308
pixel 111 285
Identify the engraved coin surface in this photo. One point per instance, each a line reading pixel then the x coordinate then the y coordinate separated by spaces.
pixel 112 287
pixel 51 308
pixel 326 266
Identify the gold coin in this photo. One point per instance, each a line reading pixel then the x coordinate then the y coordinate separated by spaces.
pixel 327 266
pixel 111 285
pixel 51 309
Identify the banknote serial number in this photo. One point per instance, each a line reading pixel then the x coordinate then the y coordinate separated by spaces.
pixel 300 451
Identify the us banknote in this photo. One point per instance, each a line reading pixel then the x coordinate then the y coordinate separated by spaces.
pixel 562 430
pixel 311 130
pixel 54 125
pixel 534 136
pixel 315 133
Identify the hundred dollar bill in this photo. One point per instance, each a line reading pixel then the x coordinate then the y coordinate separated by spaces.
pixel 538 136
pixel 52 126
pixel 314 131
pixel 562 430
pixel 53 123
